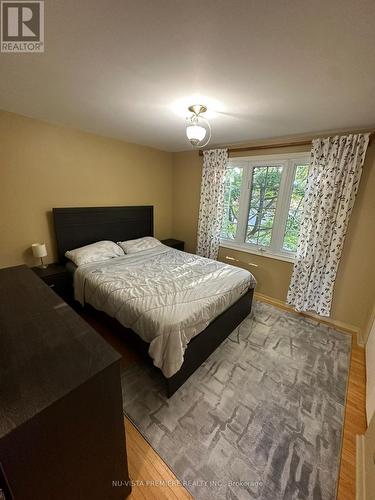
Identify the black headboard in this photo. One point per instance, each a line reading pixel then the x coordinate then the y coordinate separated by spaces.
pixel 76 227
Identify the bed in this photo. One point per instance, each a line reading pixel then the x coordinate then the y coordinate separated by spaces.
pixel 177 307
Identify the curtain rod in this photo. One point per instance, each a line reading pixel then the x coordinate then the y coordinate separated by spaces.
pixel 274 146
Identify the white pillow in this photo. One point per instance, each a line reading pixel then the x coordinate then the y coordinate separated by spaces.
pixel 96 252
pixel 134 246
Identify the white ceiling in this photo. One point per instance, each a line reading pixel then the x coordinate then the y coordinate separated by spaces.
pixel 268 68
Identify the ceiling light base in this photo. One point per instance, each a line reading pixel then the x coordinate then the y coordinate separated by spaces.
pixel 197 109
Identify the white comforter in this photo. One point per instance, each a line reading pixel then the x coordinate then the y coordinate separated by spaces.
pixel 164 295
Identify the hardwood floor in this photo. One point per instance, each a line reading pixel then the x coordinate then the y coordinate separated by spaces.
pixel 147 467
pixel 355 421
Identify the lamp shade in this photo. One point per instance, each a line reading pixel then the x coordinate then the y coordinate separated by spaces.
pixel 39 250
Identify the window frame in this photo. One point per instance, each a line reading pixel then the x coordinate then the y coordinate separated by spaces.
pixel 289 161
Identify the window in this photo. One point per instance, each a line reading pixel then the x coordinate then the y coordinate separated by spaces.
pixel 263 203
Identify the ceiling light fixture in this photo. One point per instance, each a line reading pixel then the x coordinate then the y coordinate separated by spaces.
pixel 198 129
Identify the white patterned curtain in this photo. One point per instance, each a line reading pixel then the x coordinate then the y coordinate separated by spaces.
pixel 211 209
pixel 332 185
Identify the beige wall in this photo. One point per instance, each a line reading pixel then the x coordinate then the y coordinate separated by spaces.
pixel 44 166
pixel 187 172
pixel 355 285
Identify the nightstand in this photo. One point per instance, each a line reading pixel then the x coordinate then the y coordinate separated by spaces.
pixel 177 244
pixel 58 278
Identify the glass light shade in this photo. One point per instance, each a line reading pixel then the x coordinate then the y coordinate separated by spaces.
pixel 198 131
pixel 195 133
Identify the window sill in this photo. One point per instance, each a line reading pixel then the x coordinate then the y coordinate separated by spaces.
pixel 247 249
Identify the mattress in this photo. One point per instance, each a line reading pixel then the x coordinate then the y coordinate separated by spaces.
pixel 164 295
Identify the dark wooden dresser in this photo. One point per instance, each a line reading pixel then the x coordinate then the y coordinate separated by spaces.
pixel 61 420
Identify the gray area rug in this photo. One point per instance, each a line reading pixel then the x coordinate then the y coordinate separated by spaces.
pixel 261 418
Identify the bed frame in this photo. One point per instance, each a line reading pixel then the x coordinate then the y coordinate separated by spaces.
pixel 76 227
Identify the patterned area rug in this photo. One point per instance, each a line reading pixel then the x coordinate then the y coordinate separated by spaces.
pixel 261 418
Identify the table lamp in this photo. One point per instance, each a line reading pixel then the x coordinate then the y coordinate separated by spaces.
pixel 40 251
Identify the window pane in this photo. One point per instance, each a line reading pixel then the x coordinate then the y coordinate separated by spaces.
pixel 295 210
pixel 264 191
pixel 231 202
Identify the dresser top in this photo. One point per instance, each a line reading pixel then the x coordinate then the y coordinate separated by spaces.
pixel 46 349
